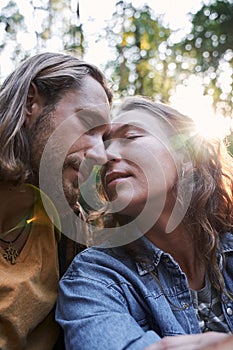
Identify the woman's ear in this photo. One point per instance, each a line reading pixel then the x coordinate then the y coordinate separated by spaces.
pixel 34 105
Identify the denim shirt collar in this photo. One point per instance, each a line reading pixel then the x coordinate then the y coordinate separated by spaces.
pixel 226 243
pixel 225 246
pixel 157 253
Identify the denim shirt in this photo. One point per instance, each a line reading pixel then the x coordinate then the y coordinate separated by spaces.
pixel 107 301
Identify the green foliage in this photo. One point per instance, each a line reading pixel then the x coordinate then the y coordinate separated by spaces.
pixel 56 22
pixel 230 143
pixel 143 61
pixel 89 197
pixel 11 18
pixel 208 51
pixel 10 22
pixel 75 40
pixel 146 60
pixel 212 33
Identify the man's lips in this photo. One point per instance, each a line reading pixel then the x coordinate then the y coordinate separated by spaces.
pixel 82 168
pixel 113 177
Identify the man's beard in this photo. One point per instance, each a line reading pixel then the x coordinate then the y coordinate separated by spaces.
pixel 71 192
pixel 54 185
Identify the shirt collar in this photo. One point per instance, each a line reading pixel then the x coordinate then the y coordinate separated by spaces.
pixel 225 245
pixel 156 253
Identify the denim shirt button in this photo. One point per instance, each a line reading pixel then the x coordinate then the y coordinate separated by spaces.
pixel 185 305
pixel 229 311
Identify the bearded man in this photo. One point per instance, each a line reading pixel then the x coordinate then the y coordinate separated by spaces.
pixel 54 114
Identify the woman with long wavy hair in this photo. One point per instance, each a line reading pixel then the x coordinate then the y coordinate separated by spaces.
pixel 163 261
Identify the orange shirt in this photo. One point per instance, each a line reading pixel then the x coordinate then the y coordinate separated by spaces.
pixel 28 290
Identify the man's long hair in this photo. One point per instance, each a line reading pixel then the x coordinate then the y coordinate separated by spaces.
pixel 53 74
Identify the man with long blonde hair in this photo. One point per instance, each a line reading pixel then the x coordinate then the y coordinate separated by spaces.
pixel 54 113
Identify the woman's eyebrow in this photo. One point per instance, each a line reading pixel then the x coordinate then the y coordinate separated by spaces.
pixel 117 129
pixel 123 128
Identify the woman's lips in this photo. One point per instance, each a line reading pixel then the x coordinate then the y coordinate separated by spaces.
pixel 114 177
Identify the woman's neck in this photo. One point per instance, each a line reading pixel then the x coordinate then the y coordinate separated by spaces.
pixel 180 246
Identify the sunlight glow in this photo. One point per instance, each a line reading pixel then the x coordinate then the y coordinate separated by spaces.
pixel 189 99
pixel 215 127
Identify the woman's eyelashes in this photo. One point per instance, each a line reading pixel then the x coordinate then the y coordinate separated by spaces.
pixel 123 136
pixel 133 136
pixel 134 132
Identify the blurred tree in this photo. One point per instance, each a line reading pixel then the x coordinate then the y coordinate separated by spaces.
pixel 230 143
pixel 11 21
pixel 61 24
pixel 208 50
pixel 44 25
pixel 143 62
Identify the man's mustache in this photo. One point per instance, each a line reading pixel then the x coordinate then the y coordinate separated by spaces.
pixel 72 161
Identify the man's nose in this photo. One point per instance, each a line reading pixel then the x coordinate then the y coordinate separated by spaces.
pixel 97 153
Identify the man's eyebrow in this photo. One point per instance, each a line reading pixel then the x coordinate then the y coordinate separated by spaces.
pixel 85 113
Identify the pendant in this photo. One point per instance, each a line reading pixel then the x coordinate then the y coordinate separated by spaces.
pixel 11 254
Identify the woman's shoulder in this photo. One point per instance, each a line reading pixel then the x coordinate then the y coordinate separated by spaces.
pixel 103 264
pixel 98 255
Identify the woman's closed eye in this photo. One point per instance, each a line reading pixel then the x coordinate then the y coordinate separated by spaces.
pixel 133 136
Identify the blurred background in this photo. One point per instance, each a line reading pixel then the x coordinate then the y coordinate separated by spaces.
pixel 175 51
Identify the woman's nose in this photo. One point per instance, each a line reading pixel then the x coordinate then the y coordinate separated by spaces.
pixel 113 150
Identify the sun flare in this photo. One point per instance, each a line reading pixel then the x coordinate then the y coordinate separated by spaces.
pixel 189 99
pixel 214 127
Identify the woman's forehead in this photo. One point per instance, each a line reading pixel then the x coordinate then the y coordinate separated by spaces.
pixel 136 119
pixel 135 115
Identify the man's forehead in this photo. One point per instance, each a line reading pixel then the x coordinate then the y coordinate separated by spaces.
pixel 92 92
